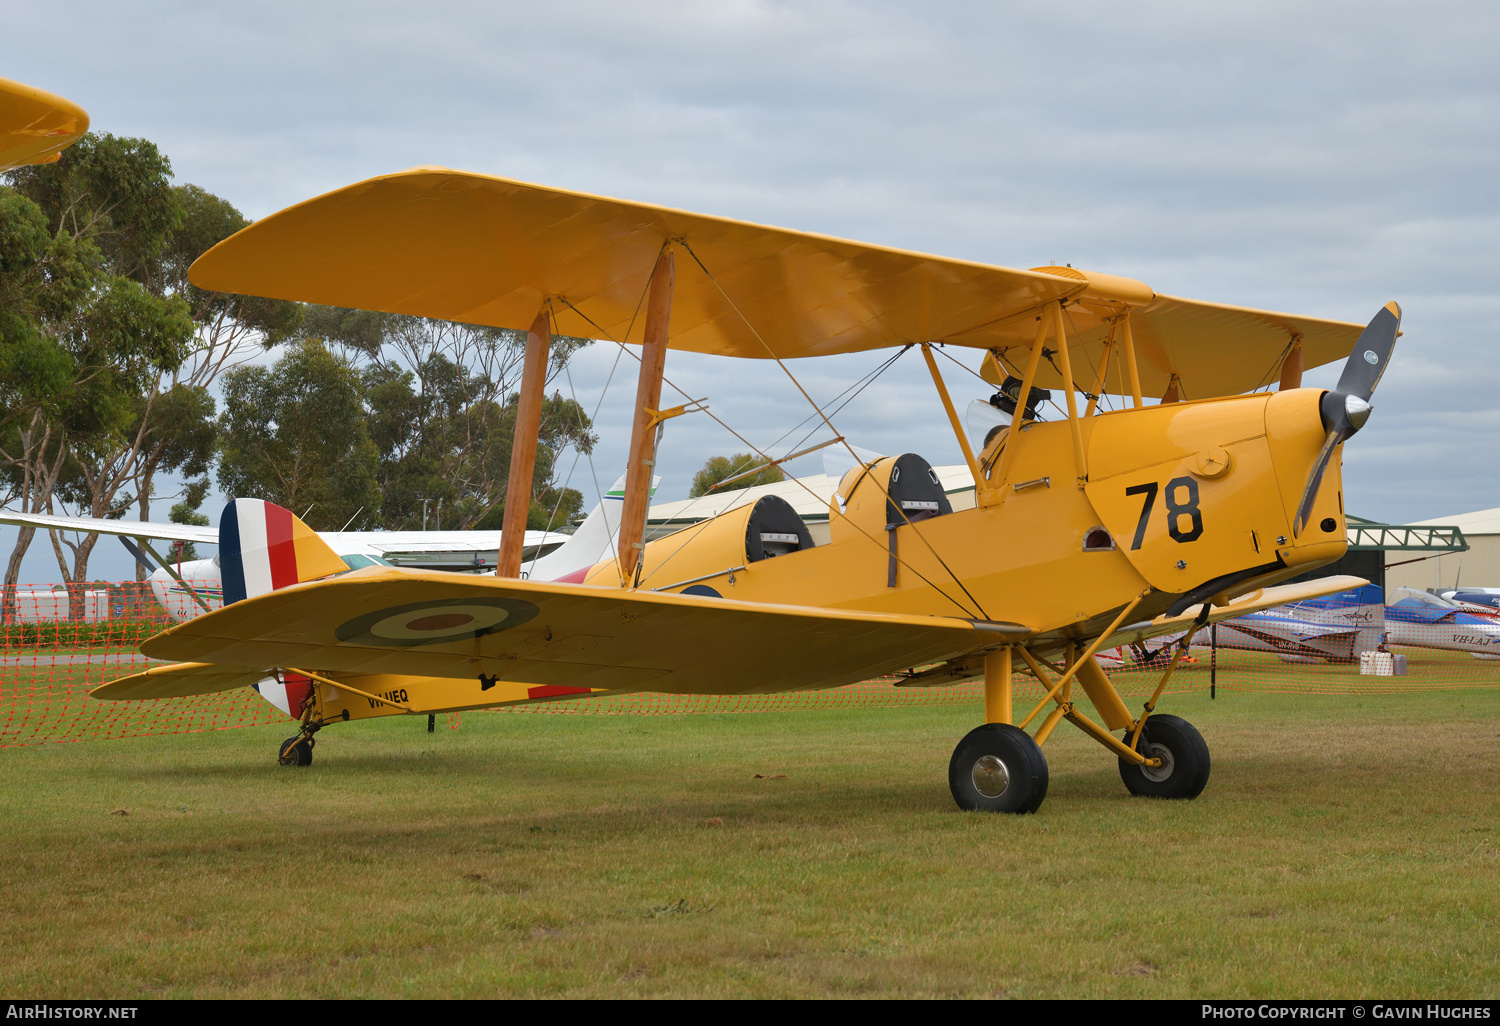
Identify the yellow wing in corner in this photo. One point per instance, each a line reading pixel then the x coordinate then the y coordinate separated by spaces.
pixel 35 125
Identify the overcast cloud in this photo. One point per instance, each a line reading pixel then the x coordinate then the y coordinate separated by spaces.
pixel 1317 158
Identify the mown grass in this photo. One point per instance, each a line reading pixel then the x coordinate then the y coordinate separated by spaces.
pixel 1345 847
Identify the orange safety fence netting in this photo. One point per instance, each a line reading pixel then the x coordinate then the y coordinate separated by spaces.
pixel 49 662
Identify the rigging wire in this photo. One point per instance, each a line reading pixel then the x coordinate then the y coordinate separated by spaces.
pixel 793 379
pixel 755 449
pixel 858 386
pixel 691 506
pixel 593 471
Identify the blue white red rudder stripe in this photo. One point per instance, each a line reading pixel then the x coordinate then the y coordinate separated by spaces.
pixel 263 547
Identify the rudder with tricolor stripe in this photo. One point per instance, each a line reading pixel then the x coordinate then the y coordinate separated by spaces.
pixel 263 547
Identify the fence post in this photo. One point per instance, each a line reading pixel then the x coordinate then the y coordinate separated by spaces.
pixel 1213 661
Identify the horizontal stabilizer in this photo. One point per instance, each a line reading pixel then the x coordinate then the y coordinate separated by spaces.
pixel 179 680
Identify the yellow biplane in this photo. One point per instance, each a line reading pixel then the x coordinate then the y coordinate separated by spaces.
pixel 1097 529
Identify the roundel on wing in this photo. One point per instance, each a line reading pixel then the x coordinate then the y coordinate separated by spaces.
pixel 435 621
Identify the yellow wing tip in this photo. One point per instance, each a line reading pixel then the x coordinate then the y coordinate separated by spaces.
pixel 1395 308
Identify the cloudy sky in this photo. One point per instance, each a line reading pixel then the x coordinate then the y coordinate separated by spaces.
pixel 1320 158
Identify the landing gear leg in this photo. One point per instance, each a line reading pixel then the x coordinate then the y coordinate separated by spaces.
pixel 297 751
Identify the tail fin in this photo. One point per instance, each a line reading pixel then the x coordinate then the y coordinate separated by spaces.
pixel 594 540
pixel 263 547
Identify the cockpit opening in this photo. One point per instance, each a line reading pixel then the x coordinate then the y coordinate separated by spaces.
pixel 774 529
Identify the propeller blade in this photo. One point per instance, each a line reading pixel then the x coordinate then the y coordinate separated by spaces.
pixel 1345 409
pixel 1371 353
pixel 1315 480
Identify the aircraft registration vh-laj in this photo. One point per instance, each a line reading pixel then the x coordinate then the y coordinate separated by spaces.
pixel 1095 530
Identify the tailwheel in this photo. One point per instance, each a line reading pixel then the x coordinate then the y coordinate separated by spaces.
pixel 1183 772
pixel 295 751
pixel 998 768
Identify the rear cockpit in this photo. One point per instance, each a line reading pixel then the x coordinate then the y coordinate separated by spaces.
pixel 774 529
pixel 915 492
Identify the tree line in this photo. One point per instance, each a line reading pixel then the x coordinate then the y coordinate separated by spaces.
pixel 109 358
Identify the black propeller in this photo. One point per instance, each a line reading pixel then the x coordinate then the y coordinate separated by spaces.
pixel 1345 409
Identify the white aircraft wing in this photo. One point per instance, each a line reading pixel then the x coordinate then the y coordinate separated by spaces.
pixel 128 528
pixel 475 546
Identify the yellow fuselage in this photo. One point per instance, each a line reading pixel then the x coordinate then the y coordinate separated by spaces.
pixel 1223 478
pixel 1228 474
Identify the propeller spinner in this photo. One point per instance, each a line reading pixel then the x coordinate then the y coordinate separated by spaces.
pixel 1345 409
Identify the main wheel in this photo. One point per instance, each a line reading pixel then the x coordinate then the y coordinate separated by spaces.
pixel 295 751
pixel 998 768
pixel 1183 772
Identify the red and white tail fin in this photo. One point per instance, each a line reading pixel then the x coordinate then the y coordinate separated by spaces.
pixel 263 547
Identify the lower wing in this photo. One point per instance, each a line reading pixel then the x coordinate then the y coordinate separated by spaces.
pixel 1266 598
pixel 383 620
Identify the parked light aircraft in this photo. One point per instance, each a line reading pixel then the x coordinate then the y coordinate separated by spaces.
pixel 1338 628
pixel 1096 530
pixel 187 588
pixel 1476 600
pixel 1422 620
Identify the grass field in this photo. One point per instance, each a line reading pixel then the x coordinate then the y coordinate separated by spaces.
pixel 1346 846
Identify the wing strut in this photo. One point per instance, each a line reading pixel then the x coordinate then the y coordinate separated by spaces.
pixel 643 430
pixel 1028 378
pixel 981 489
pixel 523 445
pixel 1131 370
pixel 1065 365
pixel 1291 366
pixel 167 566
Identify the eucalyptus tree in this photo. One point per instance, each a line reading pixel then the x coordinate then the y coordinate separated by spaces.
pixel 295 434
pixel 85 329
pixel 441 401
pixel 737 470
pixel 122 348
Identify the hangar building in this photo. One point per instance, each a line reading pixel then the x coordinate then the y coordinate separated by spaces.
pixel 1478 567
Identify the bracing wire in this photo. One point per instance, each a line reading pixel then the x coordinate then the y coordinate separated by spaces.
pixel 692 505
pixel 757 450
pixel 793 379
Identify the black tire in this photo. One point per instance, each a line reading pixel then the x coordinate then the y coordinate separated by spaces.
pixel 998 768
pixel 1184 755
pixel 295 751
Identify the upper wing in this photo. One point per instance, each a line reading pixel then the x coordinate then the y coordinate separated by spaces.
pixel 1266 598
pixel 386 620
pixel 98 525
pixel 1213 348
pixel 484 250
pixel 35 125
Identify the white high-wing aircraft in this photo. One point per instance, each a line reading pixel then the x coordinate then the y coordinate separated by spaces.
pixel 195 586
